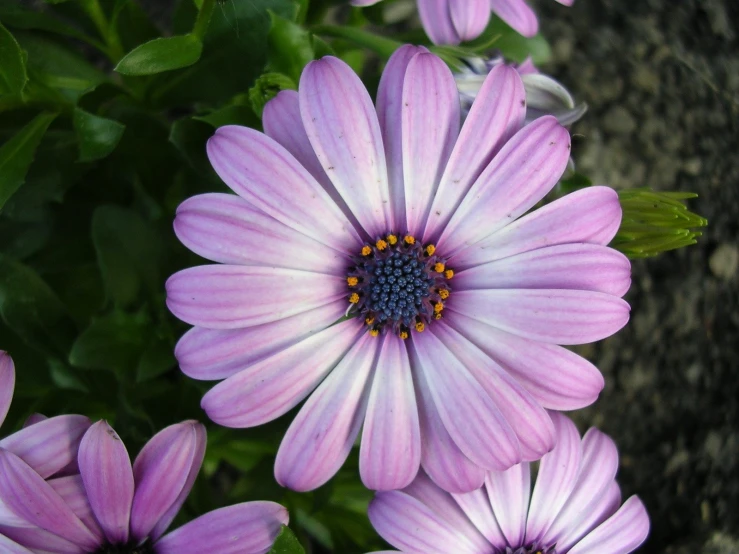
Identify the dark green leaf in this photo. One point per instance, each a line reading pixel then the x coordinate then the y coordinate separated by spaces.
pixel 17 154
pixel 156 359
pixel 190 136
pixel 161 54
pixel 286 543
pixel 65 377
pixel 516 47
pixel 266 88
pixel 290 47
pixel 13 75
pixel 98 136
pixel 237 112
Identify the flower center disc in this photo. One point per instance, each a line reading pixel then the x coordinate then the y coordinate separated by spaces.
pixel 398 285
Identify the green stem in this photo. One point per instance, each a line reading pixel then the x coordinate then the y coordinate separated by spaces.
pixel 203 19
pixel 107 32
pixel 381 45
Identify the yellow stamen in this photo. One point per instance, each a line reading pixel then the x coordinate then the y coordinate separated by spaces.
pixel 392 239
pixel 449 273
pixel 443 293
pixel 430 249
pixel 409 239
pixel 420 326
pixel 369 320
pixel 352 281
pixel 438 307
pixel 437 316
pixel 404 335
pixel 354 298
pixel 374 332
pixel 366 250
pixel 439 267
pixel 381 245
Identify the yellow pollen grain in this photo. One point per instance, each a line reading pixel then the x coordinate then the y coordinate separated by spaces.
pixel 438 307
pixel 354 298
pixel 369 320
pixel 404 335
pixel 366 250
pixel 449 273
pixel 443 294
pixel 352 281
pixel 381 245
pixel 437 316
pixel 430 249
pixel 374 332
pixel 439 267
pixel 420 326
pixel 392 239
pixel 409 239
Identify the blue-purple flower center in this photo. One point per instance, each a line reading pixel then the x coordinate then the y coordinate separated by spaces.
pixel 398 285
pixel 531 549
pixel 145 548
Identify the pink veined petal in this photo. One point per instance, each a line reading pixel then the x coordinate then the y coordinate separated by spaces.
pixel 224 228
pixel 40 541
pixel 563 2
pixel 470 17
pixel 606 505
pixel 233 296
pixel 33 419
pixel 7 383
pixel 521 174
pixel 530 422
pixel 554 316
pixel 321 436
pixel 430 124
pixel 558 471
pixel 389 108
pixel 390 453
pixel 274 385
pixel 497 113
pixel 263 172
pixel 565 266
pixel 470 416
pixel 622 533
pixel 556 377
pixel 211 354
pixel 72 490
pixel 410 525
pixel 162 471
pixel 31 498
pixel 106 472
pixel 9 547
pixel 509 496
pixel 364 2
pixel 49 445
pixel 517 14
pixel 342 126
pixel 476 506
pixel 248 528
pixel 437 21
pixel 591 215
pixel 441 458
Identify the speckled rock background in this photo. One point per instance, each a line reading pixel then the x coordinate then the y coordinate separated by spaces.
pixel 662 81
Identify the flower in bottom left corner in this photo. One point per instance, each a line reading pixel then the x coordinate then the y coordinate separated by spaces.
pixel 113 507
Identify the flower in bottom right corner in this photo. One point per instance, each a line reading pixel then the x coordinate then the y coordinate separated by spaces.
pixel 574 507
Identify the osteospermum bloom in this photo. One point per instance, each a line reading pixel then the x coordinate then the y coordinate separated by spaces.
pixel 396 218
pixel 455 21
pixel 575 507
pixel 112 507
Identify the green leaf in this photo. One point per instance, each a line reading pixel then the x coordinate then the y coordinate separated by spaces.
pixel 516 47
pixel 286 543
pixel 98 136
pixel 13 75
pixel 156 359
pixel 266 88
pixel 17 154
pixel 161 54
pixel 290 47
pixel 189 137
pixel 383 46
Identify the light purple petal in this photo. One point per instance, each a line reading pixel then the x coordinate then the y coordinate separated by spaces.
pixel 509 496
pixel 496 115
pixel 7 383
pixel 390 453
pixel 470 17
pixel 556 377
pixel 224 228
pixel 565 266
pixel 264 173
pixel 604 507
pixel 9 547
pixel 31 498
pixel 622 533
pixel 469 414
pixel 547 315
pixel 430 125
pixel 437 21
pixel 162 471
pixel 389 109
pixel 33 419
pixel 591 215
pixel 520 175
pixel 49 445
pixel 342 126
pixel 321 436
pixel 40 541
pixel 274 385
pixel 411 526
pixel 476 505
pixel 248 528
pixel 233 296
pixel 557 476
pixel 106 472
pixel 211 354
pixel 517 14
pixel 72 490
pixel 364 2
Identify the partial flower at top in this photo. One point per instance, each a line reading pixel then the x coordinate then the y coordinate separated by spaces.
pixel 575 507
pixel 114 508
pixel 48 445
pixel 409 226
pixel 455 21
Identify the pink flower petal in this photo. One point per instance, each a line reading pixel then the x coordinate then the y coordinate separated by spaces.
pixel 232 296
pixel 9 547
pixel 211 354
pixel 274 385
pixel 342 126
pixel 547 315
pixel 7 383
pixel 33 419
pixel 106 472
pixel 496 115
pixel 520 175
pixel 390 453
pixel 260 170
pixel 476 505
pixel 72 490
pixel 40 541
pixel 622 533
pixel 163 471
pixel 599 511
pixel 470 18
pixel 321 436
pixel 429 88
pixel 517 14
pixel 437 21
pixel 509 496
pixel 248 528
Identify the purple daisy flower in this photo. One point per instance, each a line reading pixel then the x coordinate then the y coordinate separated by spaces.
pixel 48 445
pixel 419 232
pixel 455 21
pixel 574 507
pixel 113 507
